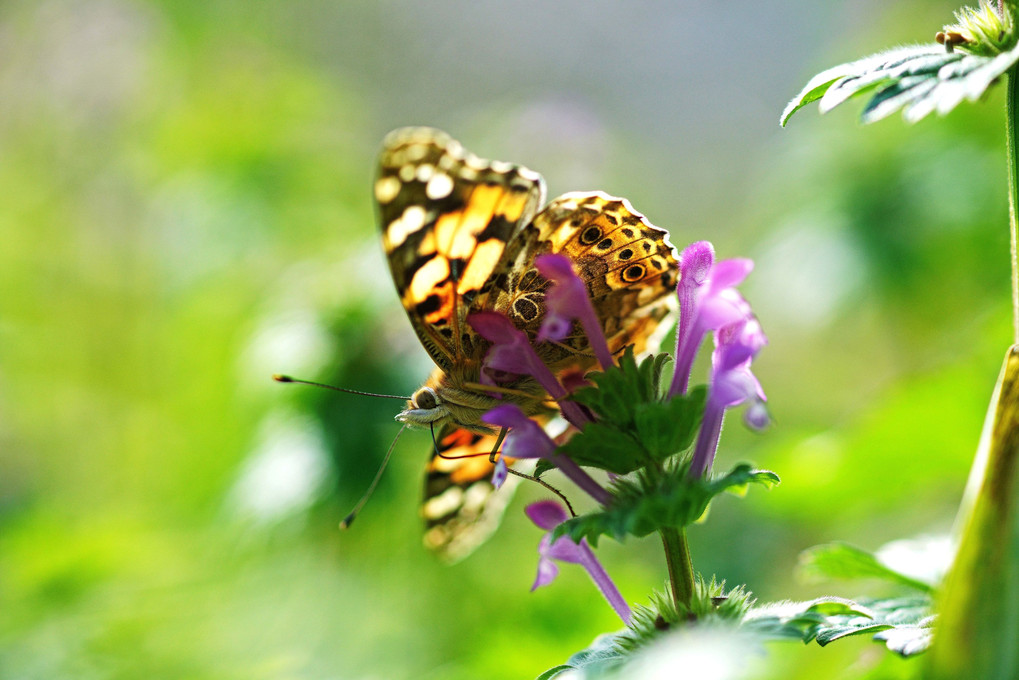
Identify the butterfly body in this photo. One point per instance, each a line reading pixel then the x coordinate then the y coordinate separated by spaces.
pixel 461 235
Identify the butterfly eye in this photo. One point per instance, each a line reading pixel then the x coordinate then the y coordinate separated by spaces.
pixel 425 399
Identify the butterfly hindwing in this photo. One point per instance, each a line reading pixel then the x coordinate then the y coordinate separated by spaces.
pixel 627 263
pixel 461 508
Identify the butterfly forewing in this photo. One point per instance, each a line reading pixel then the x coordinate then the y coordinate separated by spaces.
pixel 446 217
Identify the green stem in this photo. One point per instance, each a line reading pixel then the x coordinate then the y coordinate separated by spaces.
pixel 1011 133
pixel 677 556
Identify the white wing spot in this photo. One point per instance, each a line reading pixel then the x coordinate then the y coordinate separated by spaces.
pixel 407 172
pixel 416 152
pixel 445 503
pixel 477 494
pixel 412 219
pixel 425 172
pixel 439 186
pixel 386 189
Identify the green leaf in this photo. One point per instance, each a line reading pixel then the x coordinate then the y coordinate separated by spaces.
pixel 917 80
pixel 542 466
pixel 908 640
pixel 874 68
pixel 603 655
pixel 605 447
pixel 672 500
pixel 657 367
pixel 635 427
pixel 619 391
pixel 554 671
pixel 843 561
pixel 666 428
pixel 903 624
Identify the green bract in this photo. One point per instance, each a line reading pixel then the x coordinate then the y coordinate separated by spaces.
pixel 984 31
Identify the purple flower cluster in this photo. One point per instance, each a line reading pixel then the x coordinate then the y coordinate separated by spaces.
pixel 709 303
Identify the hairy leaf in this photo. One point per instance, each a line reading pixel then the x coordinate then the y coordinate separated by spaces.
pixel 619 391
pixel 903 624
pixel 917 80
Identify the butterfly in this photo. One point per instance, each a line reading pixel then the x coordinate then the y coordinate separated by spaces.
pixel 461 235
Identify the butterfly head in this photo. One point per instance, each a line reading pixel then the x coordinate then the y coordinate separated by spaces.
pixel 440 402
pixel 424 408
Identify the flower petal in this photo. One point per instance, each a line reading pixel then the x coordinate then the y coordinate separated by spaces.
pixel 512 352
pixel 756 415
pixel 695 263
pixel 565 550
pixel 500 473
pixel 547 514
pixel 547 571
pixel 526 438
pixel 729 273
pixel 566 300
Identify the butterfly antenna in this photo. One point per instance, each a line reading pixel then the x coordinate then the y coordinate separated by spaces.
pixel 287 379
pixel 349 519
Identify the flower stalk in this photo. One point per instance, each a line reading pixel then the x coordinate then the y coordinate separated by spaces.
pixel 677 558
pixel 1011 131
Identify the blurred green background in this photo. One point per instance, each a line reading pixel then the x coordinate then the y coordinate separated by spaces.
pixel 185 210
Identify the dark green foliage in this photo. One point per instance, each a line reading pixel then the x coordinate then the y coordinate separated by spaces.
pixel 603 446
pixel 664 428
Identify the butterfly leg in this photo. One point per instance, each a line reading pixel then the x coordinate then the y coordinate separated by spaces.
pixel 524 475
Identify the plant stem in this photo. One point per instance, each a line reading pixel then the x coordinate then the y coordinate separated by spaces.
pixel 1011 132
pixel 677 556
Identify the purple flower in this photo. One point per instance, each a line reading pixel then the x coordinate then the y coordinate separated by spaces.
pixel 732 383
pixel 548 515
pixel 512 353
pixel 527 439
pixel 707 301
pixel 567 300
